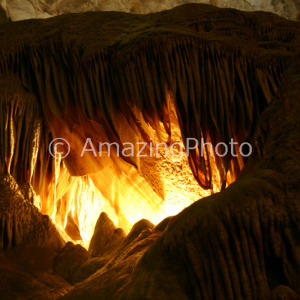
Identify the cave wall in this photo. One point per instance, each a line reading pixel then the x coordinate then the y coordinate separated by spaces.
pixel 228 74
pixel 3 18
pixel 221 68
pixel 20 10
pixel 242 243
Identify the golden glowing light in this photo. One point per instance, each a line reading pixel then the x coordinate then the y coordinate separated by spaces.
pixel 154 186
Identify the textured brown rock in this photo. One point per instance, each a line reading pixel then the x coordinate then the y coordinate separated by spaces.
pixel 26 273
pixel 19 10
pixel 29 241
pixel 163 224
pixel 282 292
pixel 137 229
pixel 3 18
pixel 69 260
pixel 106 237
pixel 20 221
pixel 88 268
pixel 21 125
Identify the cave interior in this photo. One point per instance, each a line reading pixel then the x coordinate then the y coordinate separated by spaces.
pixel 150 156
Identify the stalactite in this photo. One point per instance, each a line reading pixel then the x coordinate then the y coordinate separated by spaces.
pixel 21 124
pixel 96 84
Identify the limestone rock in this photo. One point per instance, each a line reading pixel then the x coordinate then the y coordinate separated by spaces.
pixel 226 71
pixel 282 292
pixel 20 10
pixel 3 17
pixel 72 229
pixel 26 272
pixel 106 237
pixel 240 243
pixel 88 268
pixel 28 192
pixel 163 224
pixel 221 74
pixel 20 221
pixel 137 229
pixel 235 75
pixel 69 260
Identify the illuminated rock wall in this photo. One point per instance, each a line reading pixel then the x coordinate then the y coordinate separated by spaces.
pixel 191 72
pixel 140 79
pixel 242 243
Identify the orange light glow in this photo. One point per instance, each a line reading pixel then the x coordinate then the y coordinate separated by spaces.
pixel 153 187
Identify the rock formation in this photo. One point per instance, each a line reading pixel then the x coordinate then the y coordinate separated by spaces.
pixel 214 81
pixel 21 222
pixel 3 17
pixel 195 72
pixel 106 237
pixel 28 9
pixel 69 260
pixel 242 243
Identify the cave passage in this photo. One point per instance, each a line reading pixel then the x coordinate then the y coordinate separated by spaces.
pixel 209 210
pixel 140 81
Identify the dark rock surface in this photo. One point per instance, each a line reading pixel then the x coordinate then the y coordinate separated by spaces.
pixel 28 9
pixel 29 243
pixel 137 229
pixel 69 260
pixel 3 18
pixel 22 224
pixel 26 273
pixel 88 268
